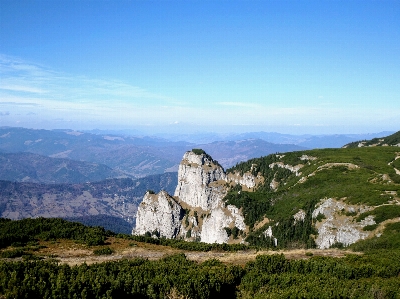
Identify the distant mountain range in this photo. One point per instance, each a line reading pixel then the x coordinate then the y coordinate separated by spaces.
pixel 29 167
pixel 307 140
pixel 112 198
pixel 107 154
pixel 133 156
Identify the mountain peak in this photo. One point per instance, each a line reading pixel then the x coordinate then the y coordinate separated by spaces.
pixel 197 171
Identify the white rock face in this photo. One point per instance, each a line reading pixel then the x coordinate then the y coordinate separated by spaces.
pixel 195 174
pixel 247 179
pixel 308 158
pixel 268 233
pixel 299 216
pixel 338 228
pixel 158 212
pixel 237 216
pixel 213 227
pixel 295 169
pixel 201 187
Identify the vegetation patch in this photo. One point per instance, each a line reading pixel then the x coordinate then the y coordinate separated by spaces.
pixel 382 213
pixel 12 253
pixel 370 227
pixel 23 231
pixel 389 240
pixel 268 276
pixel 190 246
pixel 254 204
pixel 103 251
pixel 198 151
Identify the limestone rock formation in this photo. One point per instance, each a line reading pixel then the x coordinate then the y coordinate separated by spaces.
pixel 159 213
pixel 198 178
pixel 202 185
pixel 213 227
pixel 336 227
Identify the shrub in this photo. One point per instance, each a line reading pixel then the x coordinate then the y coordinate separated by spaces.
pixel 370 227
pixel 12 253
pixel 103 251
pixel 198 151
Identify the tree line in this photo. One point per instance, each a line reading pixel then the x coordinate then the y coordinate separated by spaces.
pixel 269 276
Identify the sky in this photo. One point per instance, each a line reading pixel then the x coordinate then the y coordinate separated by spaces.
pixel 298 67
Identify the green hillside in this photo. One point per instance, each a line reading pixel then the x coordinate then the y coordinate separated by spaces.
pixel 393 139
pixel 357 179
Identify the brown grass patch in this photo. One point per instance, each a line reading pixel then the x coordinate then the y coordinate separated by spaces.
pixel 74 253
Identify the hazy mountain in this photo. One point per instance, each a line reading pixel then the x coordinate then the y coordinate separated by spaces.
pixel 29 167
pixel 135 156
pixel 307 141
pixel 114 197
pixel 228 153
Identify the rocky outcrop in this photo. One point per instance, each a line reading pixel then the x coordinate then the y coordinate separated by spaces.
pixel 213 227
pixel 337 225
pixel 247 179
pixel 299 216
pixel 268 233
pixel 295 169
pixel 196 174
pixel 202 185
pixel 159 214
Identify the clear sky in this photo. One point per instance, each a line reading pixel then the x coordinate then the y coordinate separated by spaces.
pixel 225 66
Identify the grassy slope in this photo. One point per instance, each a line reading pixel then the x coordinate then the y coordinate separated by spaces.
pixel 368 182
pixel 393 139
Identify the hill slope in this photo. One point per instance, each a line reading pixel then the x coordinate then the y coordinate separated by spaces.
pixel 391 140
pixel 332 197
pixel 114 197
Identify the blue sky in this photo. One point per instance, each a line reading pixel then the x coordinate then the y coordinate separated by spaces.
pixel 225 66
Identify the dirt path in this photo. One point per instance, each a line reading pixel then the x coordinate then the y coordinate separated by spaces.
pixel 73 253
pixel 236 258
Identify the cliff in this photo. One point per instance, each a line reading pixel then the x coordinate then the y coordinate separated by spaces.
pixel 200 181
pixel 196 211
pixel 159 214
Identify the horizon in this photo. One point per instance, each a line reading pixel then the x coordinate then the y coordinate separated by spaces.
pixel 172 135
pixel 175 67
